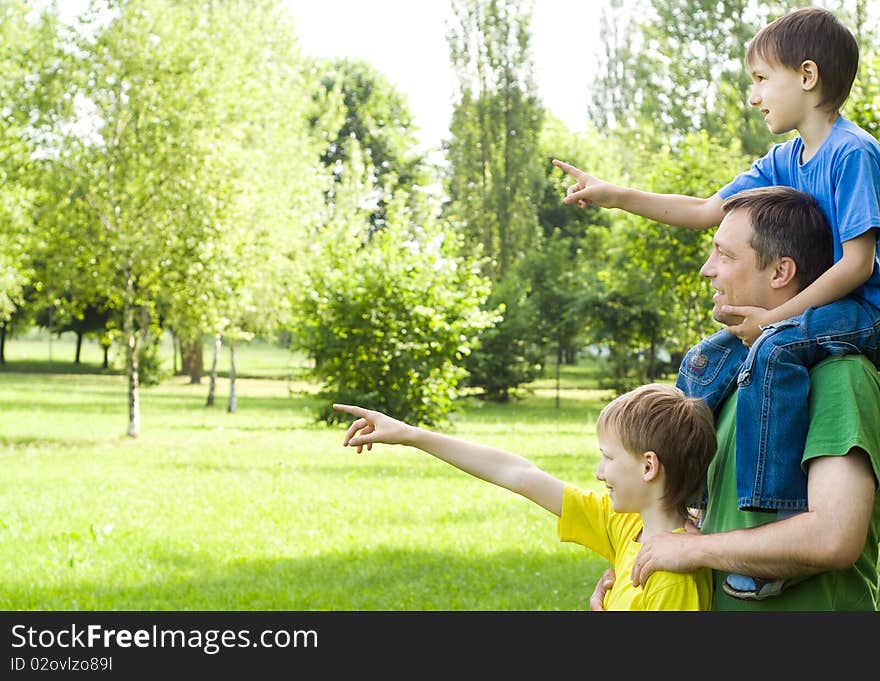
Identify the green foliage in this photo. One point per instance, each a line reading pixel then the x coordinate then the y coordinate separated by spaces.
pixel 387 304
pixel 495 173
pixel 24 51
pixel 389 318
pixel 370 113
pixel 165 150
pixel 647 302
pixel 863 107
pixel 557 273
pixel 509 353
pixel 152 370
pixel 677 67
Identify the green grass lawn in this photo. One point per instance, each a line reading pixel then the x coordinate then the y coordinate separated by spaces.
pixel 263 509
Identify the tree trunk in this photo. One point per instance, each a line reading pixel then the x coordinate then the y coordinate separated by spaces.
pixel 558 364
pixel 233 402
pixel 218 341
pixel 79 343
pixel 106 363
pixel 131 364
pixel 191 361
pixel 3 343
pixel 50 335
pixel 174 370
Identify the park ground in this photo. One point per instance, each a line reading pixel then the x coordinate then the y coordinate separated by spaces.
pixel 262 509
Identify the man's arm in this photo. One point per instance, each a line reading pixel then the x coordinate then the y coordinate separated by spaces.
pixel 830 535
pixel 670 209
pixel 501 468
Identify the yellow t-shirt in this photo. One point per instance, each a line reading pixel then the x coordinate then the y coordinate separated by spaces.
pixel 588 519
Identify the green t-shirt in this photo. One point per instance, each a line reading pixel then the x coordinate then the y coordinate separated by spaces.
pixel 844 413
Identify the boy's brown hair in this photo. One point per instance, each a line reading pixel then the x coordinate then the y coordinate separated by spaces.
pixel 680 430
pixel 813 34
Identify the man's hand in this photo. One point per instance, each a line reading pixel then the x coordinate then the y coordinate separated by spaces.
pixel 606 581
pixel 671 551
pixel 753 319
pixel 587 189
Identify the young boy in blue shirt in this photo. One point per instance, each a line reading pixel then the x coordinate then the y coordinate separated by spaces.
pixel 802 67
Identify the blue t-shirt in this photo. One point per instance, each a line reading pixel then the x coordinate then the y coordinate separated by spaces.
pixel 843 176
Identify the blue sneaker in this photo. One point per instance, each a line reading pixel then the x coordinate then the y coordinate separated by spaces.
pixel 754 588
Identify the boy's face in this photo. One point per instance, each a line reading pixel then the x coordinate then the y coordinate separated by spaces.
pixel 778 92
pixel 623 474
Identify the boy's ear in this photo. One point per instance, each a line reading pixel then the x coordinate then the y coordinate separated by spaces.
pixel 650 466
pixel 809 75
pixel 784 272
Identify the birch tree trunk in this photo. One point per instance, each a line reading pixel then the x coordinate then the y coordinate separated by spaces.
pixel 233 402
pixel 218 341
pixel 131 362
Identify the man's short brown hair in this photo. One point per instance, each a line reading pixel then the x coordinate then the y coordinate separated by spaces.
pixel 787 223
pixel 680 430
pixel 813 34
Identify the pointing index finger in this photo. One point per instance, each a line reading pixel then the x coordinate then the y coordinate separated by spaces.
pixel 351 409
pixel 570 169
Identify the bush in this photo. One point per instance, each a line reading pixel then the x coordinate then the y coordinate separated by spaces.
pixel 390 321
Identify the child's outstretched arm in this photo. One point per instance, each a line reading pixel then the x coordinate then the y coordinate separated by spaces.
pixel 501 468
pixel 670 209
pixel 852 270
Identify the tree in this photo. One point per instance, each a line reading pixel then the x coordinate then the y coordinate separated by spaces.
pixel 388 316
pixel 570 253
pixel 495 173
pixel 648 294
pixel 508 353
pixel 146 166
pixel 244 276
pixel 556 274
pixel 678 67
pixel 25 49
pixel 92 320
pixel 367 111
pixel 495 176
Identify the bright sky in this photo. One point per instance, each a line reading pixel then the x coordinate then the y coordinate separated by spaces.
pixel 406 41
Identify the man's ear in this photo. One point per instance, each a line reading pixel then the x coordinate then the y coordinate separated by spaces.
pixel 650 466
pixel 784 272
pixel 809 75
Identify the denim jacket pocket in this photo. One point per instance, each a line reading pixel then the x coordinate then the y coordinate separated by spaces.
pixel 837 347
pixel 703 362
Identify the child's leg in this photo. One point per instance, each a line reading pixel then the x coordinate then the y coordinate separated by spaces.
pixel 709 369
pixel 772 415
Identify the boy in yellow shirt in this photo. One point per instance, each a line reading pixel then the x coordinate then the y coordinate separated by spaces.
pixel 655 444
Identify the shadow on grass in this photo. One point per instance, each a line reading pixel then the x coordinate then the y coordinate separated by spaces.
pixel 54 405
pixel 31 441
pixel 377 579
pixel 27 366
pixel 365 472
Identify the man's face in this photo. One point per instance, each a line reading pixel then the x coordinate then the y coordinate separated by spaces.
pixel 778 92
pixel 733 268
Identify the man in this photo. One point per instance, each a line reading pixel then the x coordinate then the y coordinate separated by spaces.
pixel 828 553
